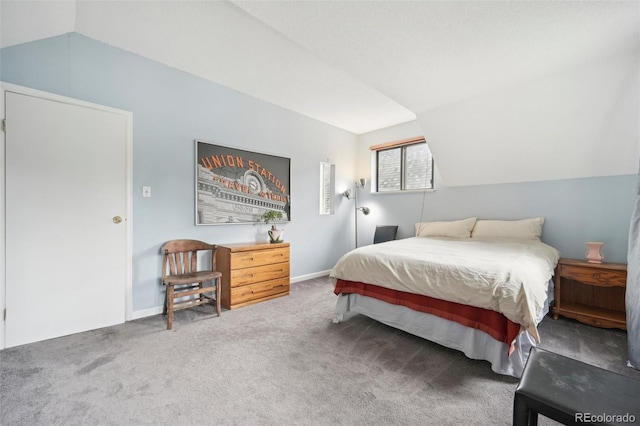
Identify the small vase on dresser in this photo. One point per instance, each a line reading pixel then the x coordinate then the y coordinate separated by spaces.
pixel 275 235
pixel 594 252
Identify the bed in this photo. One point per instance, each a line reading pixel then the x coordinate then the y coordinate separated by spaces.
pixel 483 293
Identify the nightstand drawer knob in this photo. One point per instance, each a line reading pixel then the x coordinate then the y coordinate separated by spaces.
pixel 596 276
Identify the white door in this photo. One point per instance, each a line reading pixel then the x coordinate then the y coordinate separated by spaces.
pixel 66 258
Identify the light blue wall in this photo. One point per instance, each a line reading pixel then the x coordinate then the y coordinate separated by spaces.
pixel 172 108
pixel 575 210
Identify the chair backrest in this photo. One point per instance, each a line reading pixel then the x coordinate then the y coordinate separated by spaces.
pixel 385 233
pixel 181 256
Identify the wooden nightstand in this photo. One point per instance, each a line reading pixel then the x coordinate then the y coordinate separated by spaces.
pixel 592 293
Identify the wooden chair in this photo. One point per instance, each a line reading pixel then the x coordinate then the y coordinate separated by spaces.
pixel 181 276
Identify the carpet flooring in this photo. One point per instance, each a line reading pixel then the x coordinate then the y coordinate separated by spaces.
pixel 280 362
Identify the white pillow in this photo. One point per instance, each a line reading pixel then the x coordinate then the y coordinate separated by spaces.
pixel 452 228
pixel 525 228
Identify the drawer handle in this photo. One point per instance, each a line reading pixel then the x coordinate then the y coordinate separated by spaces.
pixel 596 276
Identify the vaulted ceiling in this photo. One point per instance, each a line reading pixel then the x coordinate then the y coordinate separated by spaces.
pixel 358 65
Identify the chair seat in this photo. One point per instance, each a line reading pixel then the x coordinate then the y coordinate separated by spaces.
pixel 191 277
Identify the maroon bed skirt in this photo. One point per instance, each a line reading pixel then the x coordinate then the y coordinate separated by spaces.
pixel 491 322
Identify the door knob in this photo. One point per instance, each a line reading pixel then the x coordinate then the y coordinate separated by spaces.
pixel 117 219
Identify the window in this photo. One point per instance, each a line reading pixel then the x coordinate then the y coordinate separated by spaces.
pixel 402 166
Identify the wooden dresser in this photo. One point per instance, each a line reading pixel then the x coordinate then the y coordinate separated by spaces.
pixel 252 272
pixel 592 293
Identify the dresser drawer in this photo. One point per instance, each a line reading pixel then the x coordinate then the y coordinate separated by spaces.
pixel 253 292
pixel 599 277
pixel 254 258
pixel 246 276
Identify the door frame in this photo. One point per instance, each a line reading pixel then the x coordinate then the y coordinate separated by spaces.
pixel 128 222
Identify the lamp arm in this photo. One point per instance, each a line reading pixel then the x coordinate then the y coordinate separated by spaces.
pixel 355 210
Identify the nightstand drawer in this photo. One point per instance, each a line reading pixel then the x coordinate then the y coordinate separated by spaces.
pixel 599 277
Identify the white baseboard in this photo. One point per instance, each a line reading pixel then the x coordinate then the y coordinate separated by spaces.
pixel 158 309
pixel 146 312
pixel 309 276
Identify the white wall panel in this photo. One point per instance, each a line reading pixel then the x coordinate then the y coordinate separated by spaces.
pixel 582 122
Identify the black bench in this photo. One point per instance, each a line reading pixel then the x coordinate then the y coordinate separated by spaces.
pixel 574 393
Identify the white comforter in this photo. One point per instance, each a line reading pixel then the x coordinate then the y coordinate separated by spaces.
pixel 505 275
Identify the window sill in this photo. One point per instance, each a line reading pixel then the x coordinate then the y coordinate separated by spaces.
pixel 412 191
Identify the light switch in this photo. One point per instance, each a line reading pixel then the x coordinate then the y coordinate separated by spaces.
pixel 146 191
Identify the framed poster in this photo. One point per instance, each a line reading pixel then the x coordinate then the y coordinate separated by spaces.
pixel 234 186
